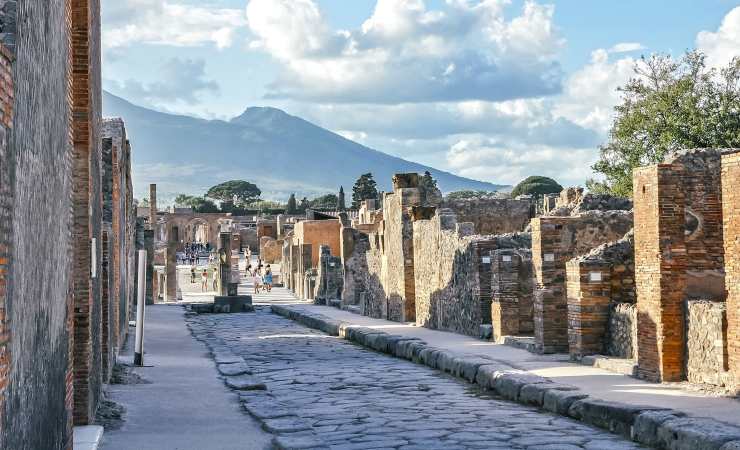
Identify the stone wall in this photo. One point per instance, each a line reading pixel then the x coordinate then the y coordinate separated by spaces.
pixel 271 250
pixel 453 272
pixel 35 186
pixel 491 216
pixel 706 336
pixel 621 341
pixel 556 240
pixel 512 290
pixel 330 278
pixel 731 232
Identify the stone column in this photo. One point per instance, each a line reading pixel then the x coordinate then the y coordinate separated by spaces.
pixel 153 207
pixel 660 272
pixel 171 266
pixel 149 247
pixel 731 231
pixel 224 266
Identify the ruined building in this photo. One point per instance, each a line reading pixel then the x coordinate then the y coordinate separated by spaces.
pixel 66 224
pixel 654 283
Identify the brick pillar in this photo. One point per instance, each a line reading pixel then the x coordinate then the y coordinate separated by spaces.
pixel 86 203
pixel 108 340
pixel 660 271
pixel 149 247
pixel 550 303
pixel 589 294
pixel 731 231
pixel 153 206
pixel 505 290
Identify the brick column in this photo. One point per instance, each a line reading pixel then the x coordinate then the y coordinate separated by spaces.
pixel 505 291
pixel 660 271
pixel 731 231
pixel 589 294
pixel 150 293
pixel 550 303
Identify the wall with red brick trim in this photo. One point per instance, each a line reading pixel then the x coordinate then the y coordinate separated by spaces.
pixel 731 230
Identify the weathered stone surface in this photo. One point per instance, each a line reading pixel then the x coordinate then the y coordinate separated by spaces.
pixel 559 402
pixel 622 337
pixel 245 383
pixel 232 369
pixel 613 416
pixel 268 410
pixel 695 434
pixel 286 425
pixel 298 443
pixel 226 357
pixel 706 353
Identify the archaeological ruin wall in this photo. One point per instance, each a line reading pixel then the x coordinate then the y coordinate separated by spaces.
pixel 731 236
pixel 454 272
pixel 491 216
pixel 555 241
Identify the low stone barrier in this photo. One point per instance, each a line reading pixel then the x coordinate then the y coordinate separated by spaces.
pixel 656 427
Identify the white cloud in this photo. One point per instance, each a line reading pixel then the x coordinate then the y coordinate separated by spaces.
pixel 591 92
pixel 488 160
pixel 724 44
pixel 127 22
pixel 181 82
pixel 407 53
pixel 625 47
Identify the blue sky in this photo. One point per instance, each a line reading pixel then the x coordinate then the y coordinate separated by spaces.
pixel 491 89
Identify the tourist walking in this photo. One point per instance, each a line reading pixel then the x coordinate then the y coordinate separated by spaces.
pixel 257 281
pixel 204 280
pixel 192 274
pixel 268 278
pixel 215 280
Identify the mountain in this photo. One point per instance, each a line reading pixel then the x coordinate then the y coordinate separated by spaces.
pixel 278 152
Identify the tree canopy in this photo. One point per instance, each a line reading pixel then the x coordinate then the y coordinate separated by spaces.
pixel 292 207
pixel 243 192
pixel 325 201
pixel 365 188
pixel 536 185
pixel 468 194
pixel 427 182
pixel 669 105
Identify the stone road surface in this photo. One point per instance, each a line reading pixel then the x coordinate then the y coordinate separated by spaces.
pixel 353 398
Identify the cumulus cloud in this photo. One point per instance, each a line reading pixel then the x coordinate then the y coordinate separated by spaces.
pixel 406 52
pixel 168 22
pixel 625 47
pixel 489 160
pixel 181 81
pixel 724 44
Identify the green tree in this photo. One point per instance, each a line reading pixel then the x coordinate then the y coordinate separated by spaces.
pixel 243 192
pixel 304 205
pixel 537 186
pixel 292 205
pixel 184 200
pixel 427 182
pixel 365 188
pixel 468 194
pixel 341 202
pixel 203 205
pixel 669 105
pixel 144 203
pixel 325 201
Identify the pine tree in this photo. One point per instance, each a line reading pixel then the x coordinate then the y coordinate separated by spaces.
pixel 365 188
pixel 342 202
pixel 292 206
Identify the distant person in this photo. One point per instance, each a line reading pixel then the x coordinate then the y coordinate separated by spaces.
pixel 215 280
pixel 192 274
pixel 204 280
pixel 257 282
pixel 268 278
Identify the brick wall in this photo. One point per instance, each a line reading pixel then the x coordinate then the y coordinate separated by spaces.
pixel 555 240
pixel 35 248
pixel 731 231
pixel 660 271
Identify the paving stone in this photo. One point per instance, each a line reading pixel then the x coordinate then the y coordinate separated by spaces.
pixel 232 369
pixel 298 443
pixel 286 425
pixel 348 397
pixel 245 383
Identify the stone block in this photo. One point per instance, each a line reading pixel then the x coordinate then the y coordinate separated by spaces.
pixel 232 369
pixel 509 385
pixel 289 442
pixel 245 383
pixel 559 402
pixel 534 394
pixel 613 416
pixel 689 433
pixel 645 428
pixel 286 425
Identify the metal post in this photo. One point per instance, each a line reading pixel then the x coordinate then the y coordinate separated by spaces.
pixel 140 305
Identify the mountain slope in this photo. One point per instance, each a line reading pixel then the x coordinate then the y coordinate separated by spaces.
pixel 279 152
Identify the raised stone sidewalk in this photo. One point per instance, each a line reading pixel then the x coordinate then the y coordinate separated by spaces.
pixel 659 416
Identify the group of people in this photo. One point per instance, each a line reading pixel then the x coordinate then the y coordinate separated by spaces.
pixel 262 276
pixel 193 253
pixel 204 278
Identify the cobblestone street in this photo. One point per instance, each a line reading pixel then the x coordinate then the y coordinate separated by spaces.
pixel 347 397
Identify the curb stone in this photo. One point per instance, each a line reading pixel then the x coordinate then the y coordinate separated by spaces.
pixel 656 427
